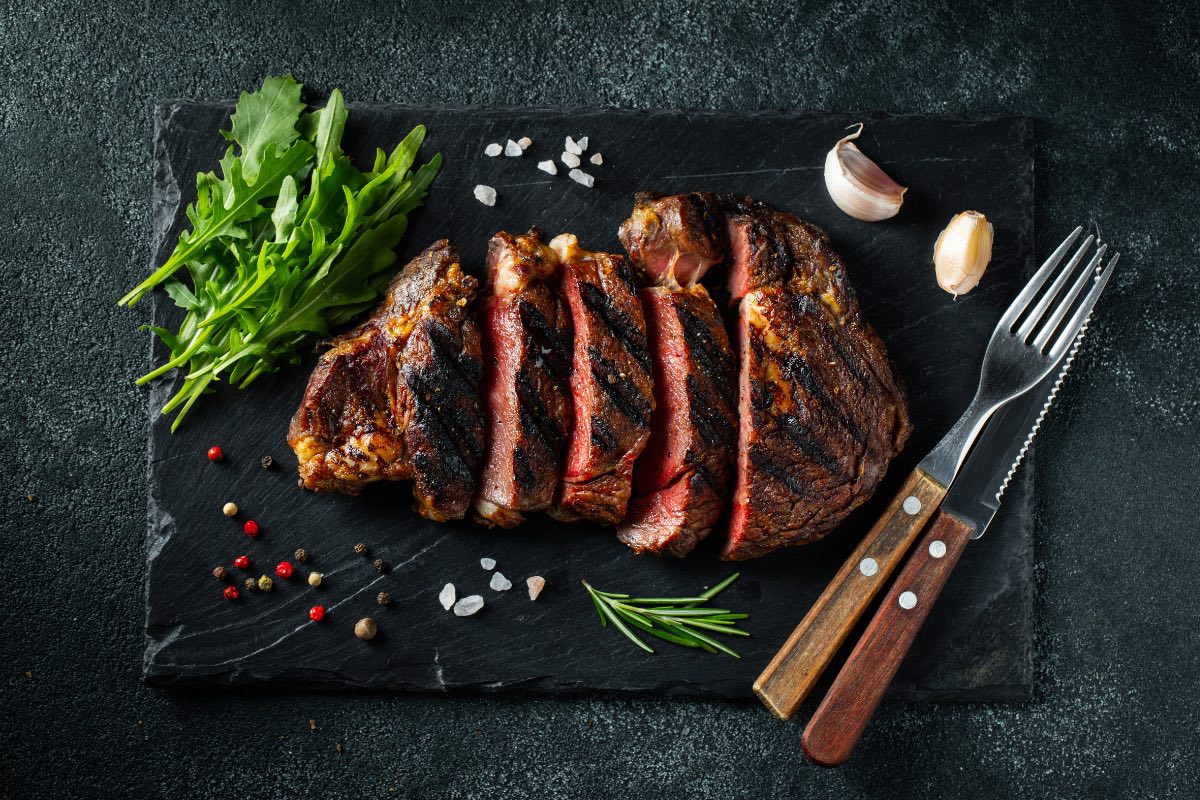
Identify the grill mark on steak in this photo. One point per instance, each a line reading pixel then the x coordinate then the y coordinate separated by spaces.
pixel 627 331
pixel 602 435
pixel 553 348
pixel 791 425
pixel 536 420
pixel 624 395
pixel 763 461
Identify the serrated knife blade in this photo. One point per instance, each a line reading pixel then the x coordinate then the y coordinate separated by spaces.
pixel 997 455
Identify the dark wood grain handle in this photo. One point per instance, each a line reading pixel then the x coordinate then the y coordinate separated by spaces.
pixel 790 676
pixel 843 715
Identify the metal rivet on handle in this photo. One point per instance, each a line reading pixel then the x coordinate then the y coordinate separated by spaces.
pixel 868 566
pixel 911 505
pixel 908 600
pixel 937 548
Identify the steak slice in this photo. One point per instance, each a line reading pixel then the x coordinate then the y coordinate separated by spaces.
pixel 821 414
pixel 674 239
pixel 681 481
pixel 611 387
pixel 527 372
pixel 397 397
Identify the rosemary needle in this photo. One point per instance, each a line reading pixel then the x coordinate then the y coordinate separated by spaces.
pixel 684 621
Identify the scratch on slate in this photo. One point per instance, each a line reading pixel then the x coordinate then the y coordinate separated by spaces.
pixel 782 171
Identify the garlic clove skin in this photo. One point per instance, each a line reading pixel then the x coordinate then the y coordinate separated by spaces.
pixel 857 185
pixel 962 252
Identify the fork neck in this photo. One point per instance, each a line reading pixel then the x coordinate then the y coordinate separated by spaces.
pixel 943 461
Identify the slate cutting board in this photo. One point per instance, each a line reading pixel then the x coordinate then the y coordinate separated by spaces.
pixel 977 643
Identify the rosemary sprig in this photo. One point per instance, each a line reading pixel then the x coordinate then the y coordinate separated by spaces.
pixel 684 621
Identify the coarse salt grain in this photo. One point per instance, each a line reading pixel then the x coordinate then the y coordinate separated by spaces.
pixel 493 150
pixel 487 563
pixel 511 148
pixel 582 144
pixel 485 195
pixel 571 147
pixel 468 606
pixel 535 583
pixel 446 598
pixel 500 583
pixel 570 159
pixel 524 142
pixel 596 159
pixel 548 166
pixel 579 176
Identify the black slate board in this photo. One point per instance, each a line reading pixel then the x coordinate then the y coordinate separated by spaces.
pixel 977 643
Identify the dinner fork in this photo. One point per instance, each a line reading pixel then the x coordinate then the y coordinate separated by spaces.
pixel 1029 341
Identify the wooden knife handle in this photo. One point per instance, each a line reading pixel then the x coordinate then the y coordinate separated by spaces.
pixel 790 676
pixel 843 715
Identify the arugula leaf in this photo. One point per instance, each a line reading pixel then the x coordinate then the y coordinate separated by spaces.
pixel 264 119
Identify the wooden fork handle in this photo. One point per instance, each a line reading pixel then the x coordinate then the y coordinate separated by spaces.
pixel 790 676
pixel 843 715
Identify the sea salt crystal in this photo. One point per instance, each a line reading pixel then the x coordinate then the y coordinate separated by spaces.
pixel 468 606
pixel 570 159
pixel 493 150
pixel 511 148
pixel 500 583
pixel 579 176
pixel 485 195
pixel 548 166
pixel 571 147
pixel 487 563
pixel 582 145
pixel 524 142
pixel 596 159
pixel 446 598
pixel 535 583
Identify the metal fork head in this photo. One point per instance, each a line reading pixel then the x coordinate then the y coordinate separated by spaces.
pixel 1029 341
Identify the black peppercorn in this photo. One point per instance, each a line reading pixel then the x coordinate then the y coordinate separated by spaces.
pixel 381 565
pixel 267 462
pixel 361 549
pixel 384 599
pixel 250 584
pixel 219 573
pixel 301 555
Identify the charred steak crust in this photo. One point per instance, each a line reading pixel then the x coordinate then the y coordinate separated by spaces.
pixel 397 397
pixel 611 385
pixel 673 239
pixel 681 481
pixel 527 373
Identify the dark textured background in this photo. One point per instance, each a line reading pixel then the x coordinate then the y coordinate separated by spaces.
pixel 1115 709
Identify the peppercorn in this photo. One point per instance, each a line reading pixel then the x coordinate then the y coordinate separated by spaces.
pixel 381 565
pixel 251 528
pixel 215 454
pixel 250 584
pixel 366 629
pixel 265 583
pixel 219 573
pixel 229 509
pixel 267 462
pixel 242 562
pixel 361 549
pixel 384 599
pixel 316 613
pixel 231 593
pixel 283 569
pixel 315 578
pixel 301 555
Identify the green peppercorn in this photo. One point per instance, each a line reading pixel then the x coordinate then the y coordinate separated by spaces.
pixel 265 583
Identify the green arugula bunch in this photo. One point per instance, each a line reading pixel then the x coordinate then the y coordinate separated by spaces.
pixel 289 243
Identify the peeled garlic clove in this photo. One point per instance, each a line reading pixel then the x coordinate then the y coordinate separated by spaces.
pixel 857 185
pixel 962 252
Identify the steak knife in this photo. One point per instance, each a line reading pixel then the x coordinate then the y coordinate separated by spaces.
pixel 965 514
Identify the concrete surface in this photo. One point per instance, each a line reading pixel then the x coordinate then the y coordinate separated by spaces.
pixel 1115 712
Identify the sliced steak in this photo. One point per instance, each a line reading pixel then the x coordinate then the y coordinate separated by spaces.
pixel 611 388
pixel 397 397
pixel 821 414
pixel 527 372
pixel 674 239
pixel 681 482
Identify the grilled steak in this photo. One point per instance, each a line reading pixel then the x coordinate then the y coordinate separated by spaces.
pixel 611 387
pixel 821 413
pixel 674 239
pixel 681 482
pixel 527 370
pixel 397 397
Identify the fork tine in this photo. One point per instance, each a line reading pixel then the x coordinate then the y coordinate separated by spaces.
pixel 1039 310
pixel 1081 315
pixel 1064 306
pixel 1022 300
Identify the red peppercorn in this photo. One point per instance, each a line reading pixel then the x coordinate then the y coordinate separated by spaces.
pixel 231 593
pixel 251 528
pixel 316 613
pixel 283 569
pixel 242 562
pixel 216 454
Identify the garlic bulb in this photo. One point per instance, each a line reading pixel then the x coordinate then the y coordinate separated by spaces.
pixel 857 185
pixel 962 252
